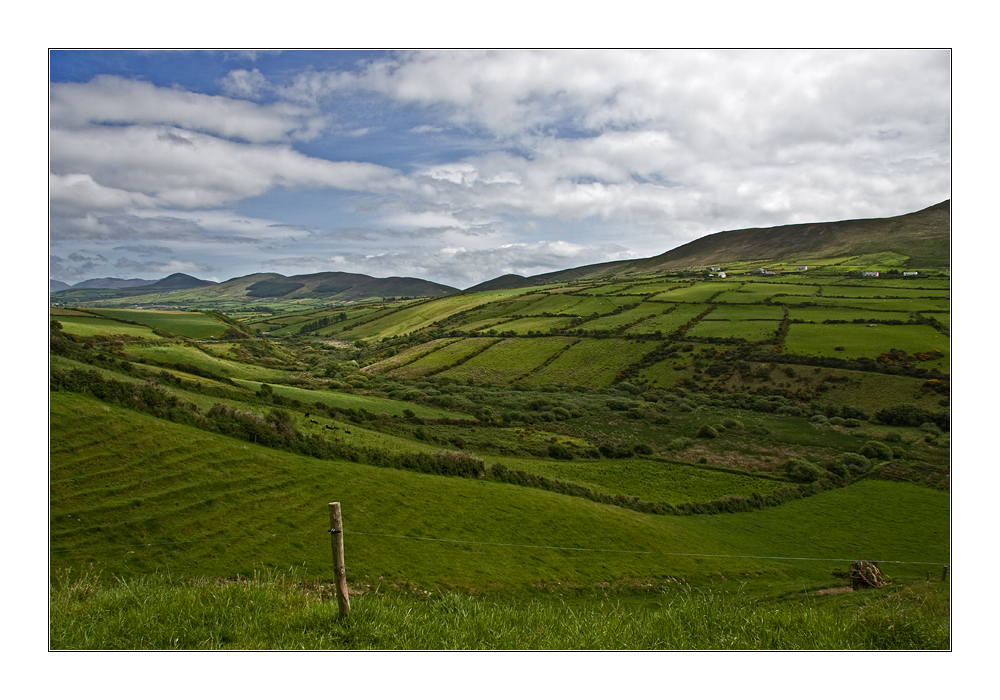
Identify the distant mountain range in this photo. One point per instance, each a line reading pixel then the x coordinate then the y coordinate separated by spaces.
pixel 341 286
pixel 924 237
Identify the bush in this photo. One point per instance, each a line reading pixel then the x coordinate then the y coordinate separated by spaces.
pixel 876 451
pixel 837 420
pixel 643 449
pixel 681 443
pixel 858 464
pixel 819 418
pixel 732 423
pixel 559 452
pixel 852 423
pixel 802 470
pixel 707 431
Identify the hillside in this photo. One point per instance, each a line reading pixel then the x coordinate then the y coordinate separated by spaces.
pixel 631 442
pixel 109 283
pixel 922 237
pixel 270 286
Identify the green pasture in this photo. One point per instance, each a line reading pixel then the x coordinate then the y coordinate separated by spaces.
pixel 413 318
pixel 591 362
pixel 751 331
pixel 668 322
pixel 408 355
pixel 744 312
pixel 133 494
pixel 189 324
pixel 600 305
pixel 862 340
pixel 336 399
pixel 907 305
pixel 63 311
pixel 274 610
pixel 538 324
pixel 698 293
pixel 551 304
pixel 650 480
pixel 818 314
pixel 90 326
pixel 623 318
pixel 648 288
pixel 504 308
pixel 442 358
pixel 882 292
pixel 757 292
pixel 175 353
pixel 611 289
pixel 665 373
pixel 507 360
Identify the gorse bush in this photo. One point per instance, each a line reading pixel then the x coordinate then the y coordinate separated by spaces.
pixel 802 470
pixel 876 451
pixel 707 431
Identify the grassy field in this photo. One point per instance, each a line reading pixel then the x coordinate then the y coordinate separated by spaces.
pixel 187 324
pixel 443 357
pixel 863 340
pixel 154 496
pixel 591 363
pixel 751 331
pixel 90 326
pixel 507 360
pixel 509 491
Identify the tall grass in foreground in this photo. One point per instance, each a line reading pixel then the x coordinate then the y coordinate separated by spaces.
pixel 269 611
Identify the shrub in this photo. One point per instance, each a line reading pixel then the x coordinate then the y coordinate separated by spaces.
pixel 893 436
pixel 876 451
pixel 732 423
pixel 643 449
pixel 852 423
pixel 802 470
pixel 819 418
pixel 681 443
pixel 837 420
pixel 559 452
pixel 858 464
pixel 707 431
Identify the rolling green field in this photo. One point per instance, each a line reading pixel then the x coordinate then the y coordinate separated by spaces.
pixel 511 465
pixel 864 340
pixel 88 326
pixel 187 324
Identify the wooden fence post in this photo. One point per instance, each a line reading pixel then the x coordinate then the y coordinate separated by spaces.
pixel 339 571
pixel 944 574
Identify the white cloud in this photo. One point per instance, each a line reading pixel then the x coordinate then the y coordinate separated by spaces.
pixel 114 100
pixel 244 84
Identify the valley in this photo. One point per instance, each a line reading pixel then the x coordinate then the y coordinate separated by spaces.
pixel 669 439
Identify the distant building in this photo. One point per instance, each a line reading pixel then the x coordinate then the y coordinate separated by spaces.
pixel 722 275
pixel 910 274
pixel 769 272
pixel 869 273
pixel 760 270
pixel 714 269
pixel 801 268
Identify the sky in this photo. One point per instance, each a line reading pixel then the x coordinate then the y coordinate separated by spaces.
pixel 458 167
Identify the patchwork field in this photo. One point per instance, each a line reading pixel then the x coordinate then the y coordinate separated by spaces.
pixel 695 457
pixel 187 324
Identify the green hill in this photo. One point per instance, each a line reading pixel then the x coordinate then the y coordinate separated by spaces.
pixel 922 238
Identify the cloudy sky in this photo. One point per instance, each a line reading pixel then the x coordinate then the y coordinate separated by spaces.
pixel 459 167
